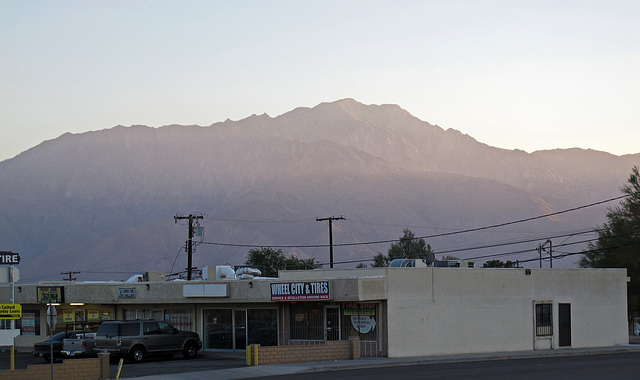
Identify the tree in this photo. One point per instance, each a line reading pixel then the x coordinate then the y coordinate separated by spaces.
pixel 499 264
pixel 274 260
pixel 408 247
pixel 618 244
pixel 380 260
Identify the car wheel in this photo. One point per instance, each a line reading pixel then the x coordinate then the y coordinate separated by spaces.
pixel 137 354
pixel 190 350
pixel 46 358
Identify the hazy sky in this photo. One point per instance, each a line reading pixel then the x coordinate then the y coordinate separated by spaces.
pixel 513 74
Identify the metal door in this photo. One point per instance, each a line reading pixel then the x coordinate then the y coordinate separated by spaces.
pixel 564 324
pixel 332 323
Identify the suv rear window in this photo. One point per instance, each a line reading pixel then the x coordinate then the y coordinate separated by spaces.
pixel 108 329
pixel 130 329
pixel 119 329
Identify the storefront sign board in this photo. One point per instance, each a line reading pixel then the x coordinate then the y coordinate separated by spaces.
pixel 300 291
pixel 50 294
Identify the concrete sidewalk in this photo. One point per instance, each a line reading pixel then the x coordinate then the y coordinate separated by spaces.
pixel 285 369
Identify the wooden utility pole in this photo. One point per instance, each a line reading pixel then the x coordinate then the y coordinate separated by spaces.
pixel 70 274
pixel 330 219
pixel 191 218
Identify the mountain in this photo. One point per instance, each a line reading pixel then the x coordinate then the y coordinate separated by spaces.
pixel 103 202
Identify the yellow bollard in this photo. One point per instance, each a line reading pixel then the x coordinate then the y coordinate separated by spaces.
pixel 256 352
pixel 119 368
pixel 248 355
pixel 13 359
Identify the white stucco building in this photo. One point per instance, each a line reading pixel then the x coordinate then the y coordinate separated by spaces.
pixel 396 312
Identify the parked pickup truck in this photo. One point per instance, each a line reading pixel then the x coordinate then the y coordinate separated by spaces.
pixel 83 343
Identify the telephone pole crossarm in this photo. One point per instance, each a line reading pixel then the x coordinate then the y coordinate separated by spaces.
pixel 70 274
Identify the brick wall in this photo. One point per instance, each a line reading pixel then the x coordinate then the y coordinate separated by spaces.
pixel 72 369
pixel 331 350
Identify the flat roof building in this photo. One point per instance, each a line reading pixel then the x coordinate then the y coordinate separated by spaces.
pixel 396 312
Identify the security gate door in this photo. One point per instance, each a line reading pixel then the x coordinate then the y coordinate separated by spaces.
pixel 332 326
pixel 564 324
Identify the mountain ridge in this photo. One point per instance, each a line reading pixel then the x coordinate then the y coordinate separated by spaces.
pixel 74 199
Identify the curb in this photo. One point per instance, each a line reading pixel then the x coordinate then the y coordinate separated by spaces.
pixel 390 362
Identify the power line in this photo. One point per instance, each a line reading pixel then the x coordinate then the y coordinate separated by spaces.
pixel 426 236
pixel 628 244
pixel 517 252
pixel 526 219
pixel 260 221
pixel 395 240
pixel 473 248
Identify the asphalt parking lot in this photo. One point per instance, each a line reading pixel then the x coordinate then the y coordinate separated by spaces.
pixel 205 361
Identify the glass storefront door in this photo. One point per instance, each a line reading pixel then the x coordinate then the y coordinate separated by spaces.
pixel 218 329
pixel 235 329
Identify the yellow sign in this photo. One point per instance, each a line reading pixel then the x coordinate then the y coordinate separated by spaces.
pixel 93 315
pixel 67 315
pixel 10 311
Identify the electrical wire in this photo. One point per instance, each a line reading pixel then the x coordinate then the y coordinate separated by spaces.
pixel 227 220
pixel 395 240
pixel 176 259
pixel 426 236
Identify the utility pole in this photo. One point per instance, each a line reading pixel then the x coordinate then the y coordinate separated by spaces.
pixel 70 274
pixel 330 219
pixel 540 253
pixel 541 247
pixel 191 218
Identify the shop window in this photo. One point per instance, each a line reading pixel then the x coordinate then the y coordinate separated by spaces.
pixel 359 318
pixel 544 319
pixel 218 328
pixel 135 314
pixel 307 321
pixel 29 324
pixel 263 326
pixel 129 315
pixel 182 319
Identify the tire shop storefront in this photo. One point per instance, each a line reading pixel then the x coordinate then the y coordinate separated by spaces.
pixel 273 312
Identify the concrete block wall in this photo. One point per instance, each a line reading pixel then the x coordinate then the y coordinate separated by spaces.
pixel 71 369
pixel 332 350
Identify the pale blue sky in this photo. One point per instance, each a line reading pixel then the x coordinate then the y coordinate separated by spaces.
pixel 513 74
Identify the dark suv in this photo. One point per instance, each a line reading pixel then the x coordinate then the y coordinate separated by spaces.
pixel 138 339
